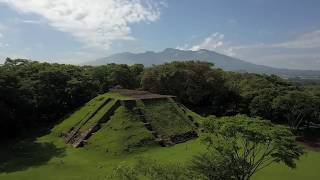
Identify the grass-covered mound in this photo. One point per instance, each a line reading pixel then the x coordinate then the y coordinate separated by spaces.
pixel 165 117
pixel 125 120
pixel 123 132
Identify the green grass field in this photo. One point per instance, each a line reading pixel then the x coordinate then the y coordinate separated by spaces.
pixel 49 158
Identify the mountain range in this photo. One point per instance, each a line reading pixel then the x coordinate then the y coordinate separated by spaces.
pixel 224 62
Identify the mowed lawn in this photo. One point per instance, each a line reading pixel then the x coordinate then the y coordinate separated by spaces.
pixel 308 168
pixel 48 158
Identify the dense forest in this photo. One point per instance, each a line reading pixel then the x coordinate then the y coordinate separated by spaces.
pixel 34 94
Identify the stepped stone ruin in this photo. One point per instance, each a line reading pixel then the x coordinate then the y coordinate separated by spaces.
pixel 167 121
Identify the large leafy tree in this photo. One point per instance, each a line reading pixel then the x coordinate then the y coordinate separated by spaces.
pixel 261 104
pixel 240 146
pixel 297 108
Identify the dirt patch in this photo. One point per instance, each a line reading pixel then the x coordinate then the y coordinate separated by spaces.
pixel 135 94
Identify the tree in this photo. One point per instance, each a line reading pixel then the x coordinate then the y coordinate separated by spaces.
pixel 261 104
pixel 196 84
pixel 296 107
pixel 110 75
pixel 212 166
pixel 240 146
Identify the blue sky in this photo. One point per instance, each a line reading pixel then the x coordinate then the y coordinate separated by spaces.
pixel 278 33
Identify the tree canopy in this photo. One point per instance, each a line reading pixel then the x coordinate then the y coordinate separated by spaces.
pixel 240 146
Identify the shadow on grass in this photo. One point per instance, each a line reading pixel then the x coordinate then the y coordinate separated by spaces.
pixel 311 138
pixel 26 154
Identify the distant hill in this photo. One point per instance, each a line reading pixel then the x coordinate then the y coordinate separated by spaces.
pixel 221 61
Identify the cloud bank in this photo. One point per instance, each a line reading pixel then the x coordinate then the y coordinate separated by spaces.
pixel 96 23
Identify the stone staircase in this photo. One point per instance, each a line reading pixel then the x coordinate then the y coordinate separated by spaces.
pixel 83 121
pixel 162 141
pixel 79 138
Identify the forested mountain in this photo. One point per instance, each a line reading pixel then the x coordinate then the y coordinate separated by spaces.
pixel 221 61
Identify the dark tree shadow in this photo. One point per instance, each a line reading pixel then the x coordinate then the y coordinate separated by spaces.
pixel 26 154
pixel 311 138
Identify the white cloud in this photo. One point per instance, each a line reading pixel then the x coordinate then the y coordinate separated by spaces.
pixel 301 52
pixel 214 42
pixel 27 21
pixel 96 23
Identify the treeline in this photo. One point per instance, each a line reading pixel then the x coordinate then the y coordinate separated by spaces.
pixel 33 94
pixel 212 91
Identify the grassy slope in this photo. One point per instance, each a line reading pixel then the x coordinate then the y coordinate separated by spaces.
pixel 84 164
pixel 81 116
pixel 308 169
pixel 123 133
pixel 77 118
pixel 164 117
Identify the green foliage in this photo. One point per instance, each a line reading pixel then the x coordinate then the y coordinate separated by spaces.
pixel 261 104
pixel 212 166
pixel 196 84
pixel 112 75
pixel 240 146
pixel 297 108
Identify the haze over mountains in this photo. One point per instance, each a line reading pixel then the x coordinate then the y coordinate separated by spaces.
pixel 221 61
